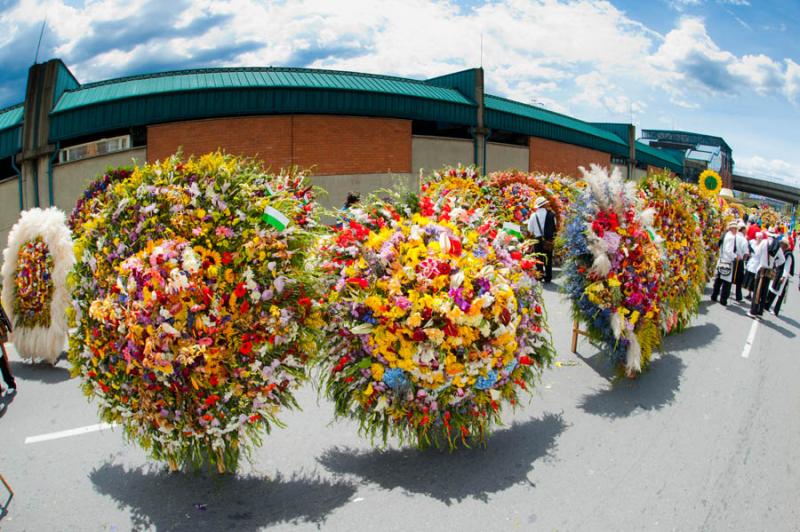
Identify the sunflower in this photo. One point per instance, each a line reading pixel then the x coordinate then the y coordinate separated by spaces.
pixel 710 183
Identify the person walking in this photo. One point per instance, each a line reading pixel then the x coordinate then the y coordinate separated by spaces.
pixel 757 266
pixel 5 369
pixel 783 276
pixel 751 267
pixel 725 266
pixel 542 225
pixel 764 262
pixel 742 254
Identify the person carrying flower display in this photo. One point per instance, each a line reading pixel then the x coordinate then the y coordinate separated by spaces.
pixel 5 328
pixel 761 265
pixel 728 254
pixel 542 225
pixel 783 276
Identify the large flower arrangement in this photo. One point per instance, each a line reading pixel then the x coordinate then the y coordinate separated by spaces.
pixel 566 188
pixel 431 330
pixel 194 311
pixel 35 266
pixel 713 217
pixel 461 189
pixel 613 270
pixel 93 198
pixel 680 230
pixel 513 194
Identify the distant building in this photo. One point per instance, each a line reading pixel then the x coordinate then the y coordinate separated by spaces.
pixel 699 152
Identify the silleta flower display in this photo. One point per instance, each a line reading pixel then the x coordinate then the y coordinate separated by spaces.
pixel 194 312
pixel 93 198
pixel 35 266
pixel 680 230
pixel 431 328
pixel 614 269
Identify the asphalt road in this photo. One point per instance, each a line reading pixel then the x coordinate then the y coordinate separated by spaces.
pixel 707 440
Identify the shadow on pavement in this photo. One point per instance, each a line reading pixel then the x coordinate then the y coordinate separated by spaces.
pixel 768 321
pixel 789 321
pixel 600 363
pixel 694 337
pixel 702 309
pixel 173 501
pixel 455 476
pixel 6 400
pixel 652 390
pixel 42 372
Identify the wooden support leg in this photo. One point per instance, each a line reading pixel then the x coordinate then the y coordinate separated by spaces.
pixel 8 487
pixel 575 332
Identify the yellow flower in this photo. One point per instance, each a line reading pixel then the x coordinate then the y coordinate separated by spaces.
pixel 377 372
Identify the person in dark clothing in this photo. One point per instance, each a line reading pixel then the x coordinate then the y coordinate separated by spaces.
pixel 542 225
pixel 353 198
pixel 783 275
pixel 5 328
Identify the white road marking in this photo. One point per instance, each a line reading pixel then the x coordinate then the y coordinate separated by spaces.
pixel 68 433
pixel 750 337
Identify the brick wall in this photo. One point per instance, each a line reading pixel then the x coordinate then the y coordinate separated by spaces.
pixel 333 144
pixel 553 156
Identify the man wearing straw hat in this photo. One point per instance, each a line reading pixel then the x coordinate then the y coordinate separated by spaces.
pixel 542 225
pixel 725 266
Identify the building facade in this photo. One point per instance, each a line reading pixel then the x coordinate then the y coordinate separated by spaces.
pixel 359 132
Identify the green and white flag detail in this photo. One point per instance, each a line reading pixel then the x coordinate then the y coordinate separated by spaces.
pixel 512 229
pixel 275 218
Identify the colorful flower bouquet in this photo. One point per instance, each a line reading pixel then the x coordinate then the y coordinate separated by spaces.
pixel 679 228
pixel 513 194
pixel 194 311
pixel 93 198
pixel 35 266
pixel 567 188
pixel 713 218
pixel 613 270
pixel 431 330
pixel 33 284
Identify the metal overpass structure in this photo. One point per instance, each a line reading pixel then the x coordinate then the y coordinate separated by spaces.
pixel 770 189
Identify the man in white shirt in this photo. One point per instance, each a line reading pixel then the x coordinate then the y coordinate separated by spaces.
pixel 725 266
pixel 542 225
pixel 742 254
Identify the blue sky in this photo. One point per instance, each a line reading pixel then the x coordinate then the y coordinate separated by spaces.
pixel 729 68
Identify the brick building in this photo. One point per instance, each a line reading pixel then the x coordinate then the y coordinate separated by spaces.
pixel 358 131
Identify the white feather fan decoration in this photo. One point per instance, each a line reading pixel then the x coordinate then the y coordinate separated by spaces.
pixel 46 343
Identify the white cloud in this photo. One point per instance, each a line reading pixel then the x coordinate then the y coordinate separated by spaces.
pixel 773 169
pixel 691 60
pixel 597 91
pixel 792 86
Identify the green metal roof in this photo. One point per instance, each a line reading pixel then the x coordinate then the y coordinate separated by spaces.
pixel 517 117
pixel 658 158
pixel 251 78
pixel 196 94
pixel 11 130
pixel 11 116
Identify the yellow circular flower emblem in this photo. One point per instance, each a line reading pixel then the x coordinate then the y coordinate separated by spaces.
pixel 710 183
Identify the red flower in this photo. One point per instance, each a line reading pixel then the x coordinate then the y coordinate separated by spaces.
pixel 240 290
pixel 525 360
pixel 358 281
pixel 212 399
pixel 244 307
pixel 450 329
pixel 304 302
pixel 455 247
pixel 246 348
pixel 443 268
pixel 419 335
pixel 516 255
pixel 526 264
pixel 213 380
pixel 227 257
